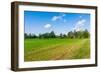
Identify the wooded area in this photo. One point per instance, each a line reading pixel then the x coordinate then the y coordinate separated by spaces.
pixel 70 34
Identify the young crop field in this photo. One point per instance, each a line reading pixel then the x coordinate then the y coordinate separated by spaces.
pixel 56 49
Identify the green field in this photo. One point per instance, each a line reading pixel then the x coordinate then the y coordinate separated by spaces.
pixel 56 49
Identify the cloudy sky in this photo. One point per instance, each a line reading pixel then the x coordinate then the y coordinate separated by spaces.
pixel 42 22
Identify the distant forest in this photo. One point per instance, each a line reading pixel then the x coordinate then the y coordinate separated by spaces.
pixel 70 34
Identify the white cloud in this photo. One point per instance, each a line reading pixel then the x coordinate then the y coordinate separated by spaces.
pixel 80 16
pixel 54 18
pixel 81 22
pixel 63 15
pixel 59 17
pixel 47 26
pixel 79 25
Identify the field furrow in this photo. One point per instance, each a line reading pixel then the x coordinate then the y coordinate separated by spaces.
pixel 56 49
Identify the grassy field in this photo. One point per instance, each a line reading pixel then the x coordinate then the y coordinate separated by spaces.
pixel 56 49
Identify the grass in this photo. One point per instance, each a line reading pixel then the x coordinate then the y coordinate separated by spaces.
pixel 56 49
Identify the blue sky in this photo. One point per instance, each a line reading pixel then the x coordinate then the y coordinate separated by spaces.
pixel 41 22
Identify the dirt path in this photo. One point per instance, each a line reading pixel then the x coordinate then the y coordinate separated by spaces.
pixel 59 57
pixel 68 51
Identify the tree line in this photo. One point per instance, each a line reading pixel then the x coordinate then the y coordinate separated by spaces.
pixel 70 34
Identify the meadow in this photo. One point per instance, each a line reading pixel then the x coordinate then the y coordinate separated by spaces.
pixel 56 49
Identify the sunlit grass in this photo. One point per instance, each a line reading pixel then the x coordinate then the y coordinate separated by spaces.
pixel 56 49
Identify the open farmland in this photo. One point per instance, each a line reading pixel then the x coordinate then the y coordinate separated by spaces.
pixel 56 49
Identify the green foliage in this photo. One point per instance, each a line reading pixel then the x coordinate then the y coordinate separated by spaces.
pixel 30 35
pixel 78 34
pixel 52 34
pixel 71 34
